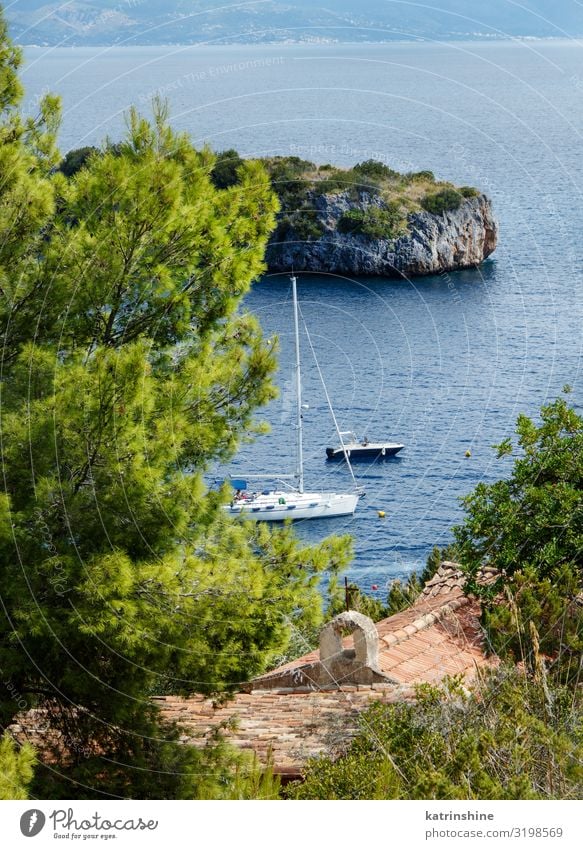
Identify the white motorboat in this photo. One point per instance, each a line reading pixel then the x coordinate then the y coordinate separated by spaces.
pixel 357 449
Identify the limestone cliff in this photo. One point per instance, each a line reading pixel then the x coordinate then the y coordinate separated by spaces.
pixel 432 243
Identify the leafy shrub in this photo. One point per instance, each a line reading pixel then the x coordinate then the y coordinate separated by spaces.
pixel 287 174
pixel 510 738
pixel 284 168
pixel 420 177
pixel 225 170
pixel 308 228
pixel 447 200
pixel 351 222
pixel 403 594
pixel 468 192
pixel 376 170
pixel 302 225
pixel 76 159
pixel 346 181
pixel 531 527
pixel 374 222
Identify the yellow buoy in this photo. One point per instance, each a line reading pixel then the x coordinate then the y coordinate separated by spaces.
pixel 381 514
pixel 468 453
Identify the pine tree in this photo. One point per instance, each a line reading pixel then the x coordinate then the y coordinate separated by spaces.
pixel 127 369
pixel 16 769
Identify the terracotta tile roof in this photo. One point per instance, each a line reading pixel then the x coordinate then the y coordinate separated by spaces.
pixel 293 726
pixel 439 635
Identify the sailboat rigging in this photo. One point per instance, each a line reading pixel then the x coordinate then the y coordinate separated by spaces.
pixel 274 505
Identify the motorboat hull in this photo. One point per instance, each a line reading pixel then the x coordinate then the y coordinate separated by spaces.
pixel 279 506
pixel 359 451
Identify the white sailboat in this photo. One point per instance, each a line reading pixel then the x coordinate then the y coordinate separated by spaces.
pixel 278 504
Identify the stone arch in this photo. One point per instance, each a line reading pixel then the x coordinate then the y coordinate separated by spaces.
pixel 366 640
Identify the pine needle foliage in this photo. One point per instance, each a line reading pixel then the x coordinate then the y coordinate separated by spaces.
pixel 127 368
pixel 16 768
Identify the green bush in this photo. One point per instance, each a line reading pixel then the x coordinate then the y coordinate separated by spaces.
pixel 376 170
pixel 510 738
pixel 531 527
pixel 303 224
pixel 420 177
pixel 374 222
pixel 351 222
pixel 447 200
pixel 352 182
pixel 76 159
pixel 225 169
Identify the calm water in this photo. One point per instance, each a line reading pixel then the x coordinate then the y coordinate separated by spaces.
pixel 442 364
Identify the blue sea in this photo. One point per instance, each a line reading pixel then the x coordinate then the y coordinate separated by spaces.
pixel 443 364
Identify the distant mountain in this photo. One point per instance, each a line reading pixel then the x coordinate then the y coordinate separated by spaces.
pixel 191 21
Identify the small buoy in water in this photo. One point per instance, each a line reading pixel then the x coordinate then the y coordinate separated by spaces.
pixel 468 453
pixel 381 514
pixel 375 587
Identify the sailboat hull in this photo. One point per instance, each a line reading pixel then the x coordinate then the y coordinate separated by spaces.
pixel 278 506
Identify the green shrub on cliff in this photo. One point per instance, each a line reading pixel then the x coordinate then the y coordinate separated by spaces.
pixel 446 200
pixel 420 177
pixel 302 225
pixel 374 222
pixel 376 170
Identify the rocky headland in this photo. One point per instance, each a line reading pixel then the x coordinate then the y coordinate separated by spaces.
pixel 431 243
pixel 372 220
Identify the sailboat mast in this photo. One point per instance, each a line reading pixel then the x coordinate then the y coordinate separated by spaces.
pixel 300 450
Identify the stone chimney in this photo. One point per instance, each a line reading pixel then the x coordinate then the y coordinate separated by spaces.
pixel 365 654
pixel 337 665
